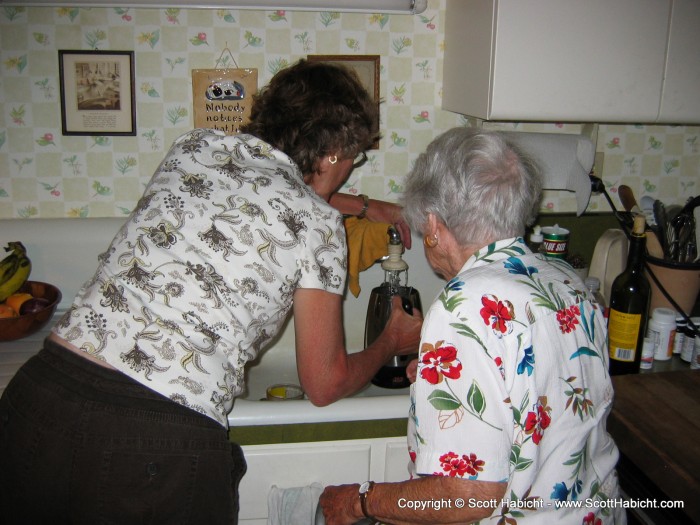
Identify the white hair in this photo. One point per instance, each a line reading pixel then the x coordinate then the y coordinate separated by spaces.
pixel 479 184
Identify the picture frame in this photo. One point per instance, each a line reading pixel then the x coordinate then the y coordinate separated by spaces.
pixel 366 67
pixel 97 92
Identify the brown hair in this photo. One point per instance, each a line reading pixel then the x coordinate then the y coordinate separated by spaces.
pixel 313 109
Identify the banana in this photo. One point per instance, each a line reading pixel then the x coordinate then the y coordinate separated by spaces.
pixel 9 265
pixel 14 269
pixel 8 268
pixel 10 248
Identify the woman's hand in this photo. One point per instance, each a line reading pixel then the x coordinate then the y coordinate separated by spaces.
pixel 381 211
pixel 403 329
pixel 412 370
pixel 338 504
pixel 377 211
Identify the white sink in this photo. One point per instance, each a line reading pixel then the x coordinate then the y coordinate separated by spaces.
pixel 278 366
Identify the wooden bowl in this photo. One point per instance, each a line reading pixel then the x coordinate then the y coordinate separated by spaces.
pixel 12 328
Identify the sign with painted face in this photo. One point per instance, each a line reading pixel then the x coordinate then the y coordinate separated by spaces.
pixel 222 98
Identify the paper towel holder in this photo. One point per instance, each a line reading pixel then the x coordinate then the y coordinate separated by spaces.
pixel 565 160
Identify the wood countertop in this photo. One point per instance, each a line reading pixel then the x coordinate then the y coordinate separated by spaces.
pixel 655 422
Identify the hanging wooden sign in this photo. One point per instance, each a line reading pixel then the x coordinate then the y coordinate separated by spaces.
pixel 222 98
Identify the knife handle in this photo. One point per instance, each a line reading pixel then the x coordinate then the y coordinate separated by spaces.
pixel 627 199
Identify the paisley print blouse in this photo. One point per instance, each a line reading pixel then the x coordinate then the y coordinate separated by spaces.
pixel 202 274
pixel 513 387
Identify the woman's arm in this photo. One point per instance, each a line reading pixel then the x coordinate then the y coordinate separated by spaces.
pixel 377 211
pixel 326 371
pixel 426 500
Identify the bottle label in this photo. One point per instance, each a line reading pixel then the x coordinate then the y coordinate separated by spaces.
pixel 623 332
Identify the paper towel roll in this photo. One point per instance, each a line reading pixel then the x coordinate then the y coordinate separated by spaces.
pixel 566 161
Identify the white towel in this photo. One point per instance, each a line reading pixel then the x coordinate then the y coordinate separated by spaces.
pixel 293 506
pixel 566 161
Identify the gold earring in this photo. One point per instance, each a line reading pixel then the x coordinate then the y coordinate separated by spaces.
pixel 431 241
pixel 333 159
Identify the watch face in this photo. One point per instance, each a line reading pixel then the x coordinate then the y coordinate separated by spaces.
pixel 365 487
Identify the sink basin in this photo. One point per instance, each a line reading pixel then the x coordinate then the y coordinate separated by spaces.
pixel 278 366
pixel 263 375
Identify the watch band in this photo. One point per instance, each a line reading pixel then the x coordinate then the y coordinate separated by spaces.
pixel 365 206
pixel 365 490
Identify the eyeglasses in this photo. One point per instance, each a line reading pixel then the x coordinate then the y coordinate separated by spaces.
pixel 359 160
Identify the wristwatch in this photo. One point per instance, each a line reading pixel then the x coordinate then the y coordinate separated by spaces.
pixel 365 489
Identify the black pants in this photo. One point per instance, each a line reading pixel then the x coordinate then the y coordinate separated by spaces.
pixel 82 444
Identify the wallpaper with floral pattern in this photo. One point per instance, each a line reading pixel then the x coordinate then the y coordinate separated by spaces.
pixel 45 174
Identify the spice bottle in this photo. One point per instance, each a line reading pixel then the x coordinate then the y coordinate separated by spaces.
pixel 647 361
pixel 536 240
pixel 629 307
pixel 593 286
pixel 689 340
pixel 681 329
pixel 662 330
pixel 695 362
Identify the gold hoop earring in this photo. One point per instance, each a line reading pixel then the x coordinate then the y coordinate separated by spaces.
pixel 333 159
pixel 431 241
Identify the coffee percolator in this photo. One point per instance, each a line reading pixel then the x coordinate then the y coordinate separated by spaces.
pixel 393 373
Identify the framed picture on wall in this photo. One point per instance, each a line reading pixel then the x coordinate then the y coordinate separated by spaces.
pixel 97 92
pixel 366 67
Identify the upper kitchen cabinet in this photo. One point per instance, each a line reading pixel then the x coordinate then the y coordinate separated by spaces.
pixel 573 60
pixel 680 100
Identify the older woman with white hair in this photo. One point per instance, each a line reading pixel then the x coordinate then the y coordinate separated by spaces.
pixel 512 390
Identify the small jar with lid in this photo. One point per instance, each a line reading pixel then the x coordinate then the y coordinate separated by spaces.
pixel 647 354
pixel 681 329
pixel 662 329
pixel 689 340
pixel 695 362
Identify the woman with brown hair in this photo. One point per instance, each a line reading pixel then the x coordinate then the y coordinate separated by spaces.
pixel 122 417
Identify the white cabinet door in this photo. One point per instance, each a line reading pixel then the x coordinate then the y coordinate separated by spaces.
pixel 396 460
pixel 680 100
pixel 298 465
pixel 327 462
pixel 555 60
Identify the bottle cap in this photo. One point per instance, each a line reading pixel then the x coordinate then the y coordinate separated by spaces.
pixel 536 235
pixel 592 283
pixel 640 225
pixel 664 316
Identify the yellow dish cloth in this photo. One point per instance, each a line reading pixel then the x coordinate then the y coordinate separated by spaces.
pixel 367 242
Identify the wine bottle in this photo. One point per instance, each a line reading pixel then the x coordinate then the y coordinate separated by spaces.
pixel 629 307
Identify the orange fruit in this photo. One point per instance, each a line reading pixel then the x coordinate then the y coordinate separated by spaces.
pixel 6 311
pixel 16 299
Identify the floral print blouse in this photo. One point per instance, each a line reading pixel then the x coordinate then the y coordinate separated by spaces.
pixel 513 387
pixel 203 273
